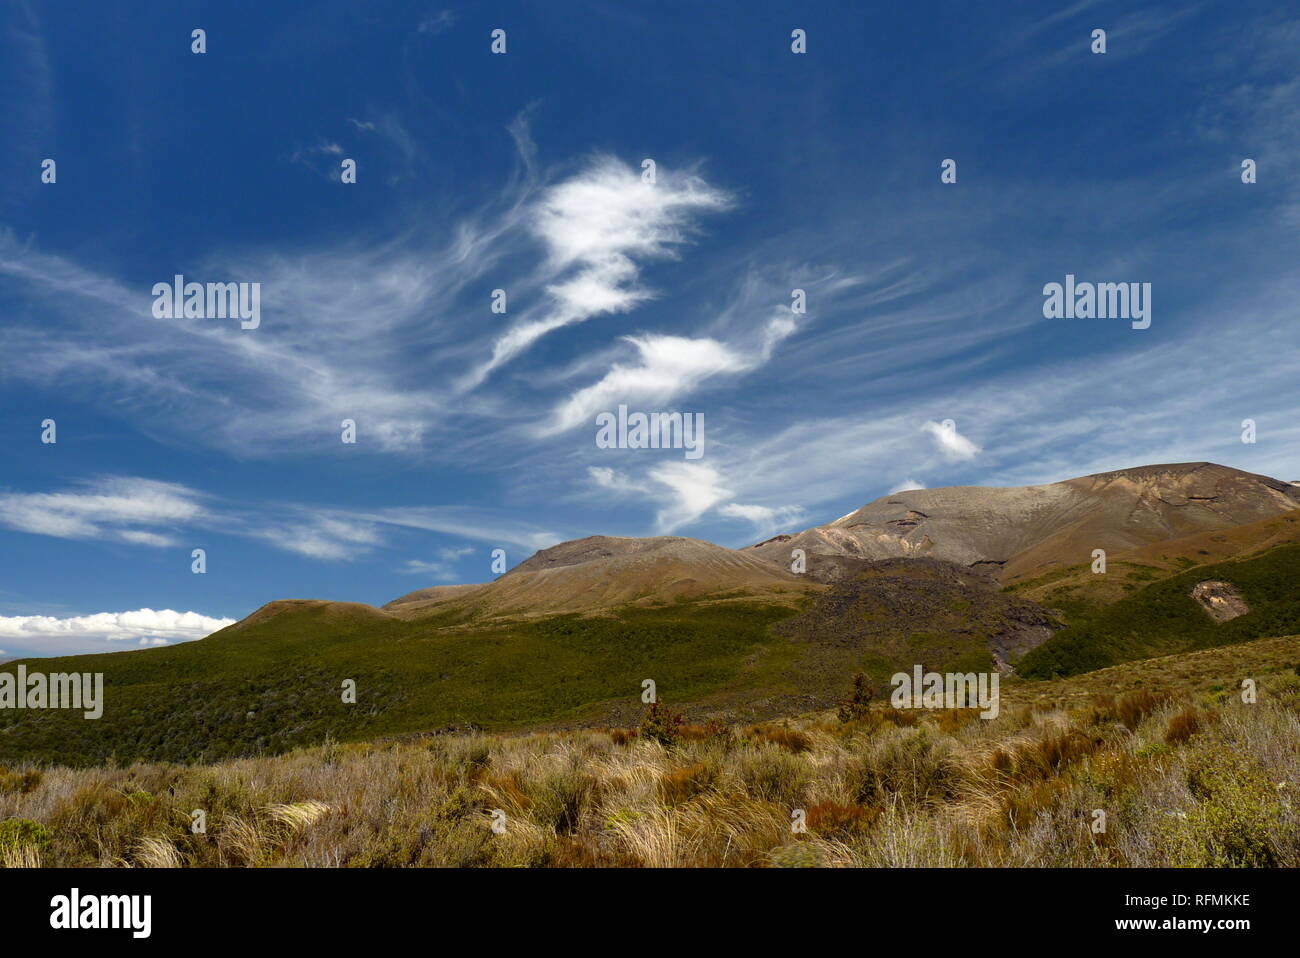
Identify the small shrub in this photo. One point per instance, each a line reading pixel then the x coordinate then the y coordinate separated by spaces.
pixel 953 721
pixel 558 799
pixel 1154 750
pixel 661 724
pixel 1233 821
pixel 902 718
pixel 17 832
pixel 507 787
pixel 877 719
pixel 1002 764
pixel 1050 755
pixel 720 733
pixel 858 703
pixel 912 765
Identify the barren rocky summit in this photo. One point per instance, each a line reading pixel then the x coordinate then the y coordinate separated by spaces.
pixel 1025 529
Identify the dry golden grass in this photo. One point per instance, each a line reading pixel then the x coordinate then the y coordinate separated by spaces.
pixel 1182 777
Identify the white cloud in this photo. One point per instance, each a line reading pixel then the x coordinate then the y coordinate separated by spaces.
pixel 596 227
pixel 951 442
pixel 465 523
pixel 609 213
pixel 439 21
pixel 672 366
pixel 109 508
pixel 686 491
pixel 907 485
pixel 765 519
pixel 431 570
pixel 321 536
pixel 694 488
pixel 608 478
pixel 122 509
pixel 668 367
pixel 149 626
pixel 442 569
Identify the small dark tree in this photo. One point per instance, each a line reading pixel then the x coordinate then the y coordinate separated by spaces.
pixel 858 702
pixel 661 724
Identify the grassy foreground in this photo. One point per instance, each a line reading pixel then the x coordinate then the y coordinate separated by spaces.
pixel 1190 776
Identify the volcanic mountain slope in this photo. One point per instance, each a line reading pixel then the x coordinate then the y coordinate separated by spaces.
pixel 567 637
pixel 1170 615
pixel 1079 591
pixel 887 615
pixel 601 572
pixel 1027 530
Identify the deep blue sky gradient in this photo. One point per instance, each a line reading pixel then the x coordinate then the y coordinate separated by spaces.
pixel 925 298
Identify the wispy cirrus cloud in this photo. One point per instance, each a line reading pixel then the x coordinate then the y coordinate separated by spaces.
pixel 374 332
pixel 466 522
pixel 435 22
pixel 146 512
pixel 598 228
pixel 666 367
pixel 443 569
pixel 316 536
pixel 118 508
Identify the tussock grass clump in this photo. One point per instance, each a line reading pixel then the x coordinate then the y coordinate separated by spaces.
pixel 1187 723
pixel 789 739
pixel 831 819
pixel 19 781
pixel 1134 707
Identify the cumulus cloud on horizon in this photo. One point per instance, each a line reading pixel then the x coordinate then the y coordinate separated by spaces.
pixel 51 635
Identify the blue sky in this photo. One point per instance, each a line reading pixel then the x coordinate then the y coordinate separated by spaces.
pixel 523 172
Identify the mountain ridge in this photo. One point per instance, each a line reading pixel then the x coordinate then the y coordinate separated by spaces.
pixel 1026 529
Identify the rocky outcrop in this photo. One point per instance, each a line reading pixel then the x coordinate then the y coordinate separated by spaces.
pixel 1220 599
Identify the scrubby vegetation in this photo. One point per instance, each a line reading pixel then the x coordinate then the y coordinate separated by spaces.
pixel 1162 618
pixel 274 682
pixel 277 684
pixel 1184 777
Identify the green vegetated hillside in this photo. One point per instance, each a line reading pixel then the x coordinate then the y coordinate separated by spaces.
pixel 1162 617
pixel 275 681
